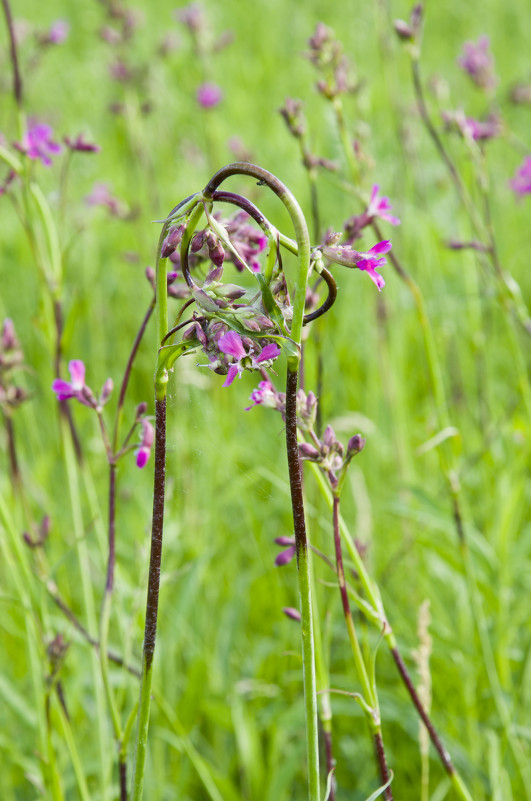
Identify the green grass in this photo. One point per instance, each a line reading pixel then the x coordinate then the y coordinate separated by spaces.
pixel 227 662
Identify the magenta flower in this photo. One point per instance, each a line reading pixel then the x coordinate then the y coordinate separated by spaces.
pixel 81 145
pixel 231 344
pixel 263 395
pixel 38 144
pixel 58 32
pixel 521 183
pixel 101 196
pixel 379 207
pixel 370 264
pixel 209 95
pixel 478 62
pixel 64 389
pixel 144 451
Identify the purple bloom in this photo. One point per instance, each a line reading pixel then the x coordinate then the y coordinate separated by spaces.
pixel 370 264
pixel 81 145
pixel 101 196
pixel 38 144
pixel 264 395
pixel 209 95
pixel 65 389
pixel 144 451
pixel 232 345
pixel 58 32
pixel 478 62
pixel 379 207
pixel 521 183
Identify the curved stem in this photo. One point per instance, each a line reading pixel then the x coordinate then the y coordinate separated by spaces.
pixel 299 224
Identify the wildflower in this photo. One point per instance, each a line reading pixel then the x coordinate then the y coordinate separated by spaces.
pixel 232 345
pixel 379 207
pixel 209 95
pixel 101 196
pixel 58 32
pixel 144 450
pixel 81 145
pixel 37 143
pixel 521 183
pixel 368 261
pixel 478 62
pixel 248 242
pixel 71 389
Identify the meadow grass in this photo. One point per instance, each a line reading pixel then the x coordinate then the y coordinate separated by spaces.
pixel 227 718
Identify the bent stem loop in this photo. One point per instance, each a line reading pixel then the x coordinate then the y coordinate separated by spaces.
pixel 303 252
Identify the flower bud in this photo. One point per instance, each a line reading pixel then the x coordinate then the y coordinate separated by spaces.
pixel 173 239
pixel 292 613
pixel 106 391
pixel 307 451
pixel 355 445
pixel 141 409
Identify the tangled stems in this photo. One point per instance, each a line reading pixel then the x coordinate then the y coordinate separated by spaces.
pixel 192 208
pixel 308 648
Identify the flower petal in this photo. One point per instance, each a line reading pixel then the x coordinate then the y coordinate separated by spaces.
pixel 63 389
pixel 231 343
pixel 77 373
pixel 269 352
pixel 234 369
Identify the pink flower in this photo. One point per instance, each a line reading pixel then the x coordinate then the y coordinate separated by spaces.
pixel 232 345
pixel 101 196
pixel 80 144
pixel 209 95
pixel 143 452
pixel 58 32
pixel 521 183
pixel 65 389
pixel 478 62
pixel 368 261
pixel 38 144
pixel 379 207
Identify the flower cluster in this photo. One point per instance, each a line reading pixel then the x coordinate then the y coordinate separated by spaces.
pixel 478 63
pixel 521 183
pixel 11 360
pixel 78 389
pixel 38 144
pixel 379 208
pixel 326 54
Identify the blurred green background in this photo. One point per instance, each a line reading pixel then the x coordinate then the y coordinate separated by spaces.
pixel 227 660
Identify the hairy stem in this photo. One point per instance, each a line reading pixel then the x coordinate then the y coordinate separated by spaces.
pixel 301 541
pixel 150 631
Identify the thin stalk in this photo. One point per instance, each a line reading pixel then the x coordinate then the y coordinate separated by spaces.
pixel 369 690
pixel 104 627
pixel 376 615
pixel 150 630
pixel 87 592
pixel 17 79
pixel 301 542
pixel 127 374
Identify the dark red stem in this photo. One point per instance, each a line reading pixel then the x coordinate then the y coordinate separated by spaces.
pixel 152 605
pixel 439 747
pixel 17 80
